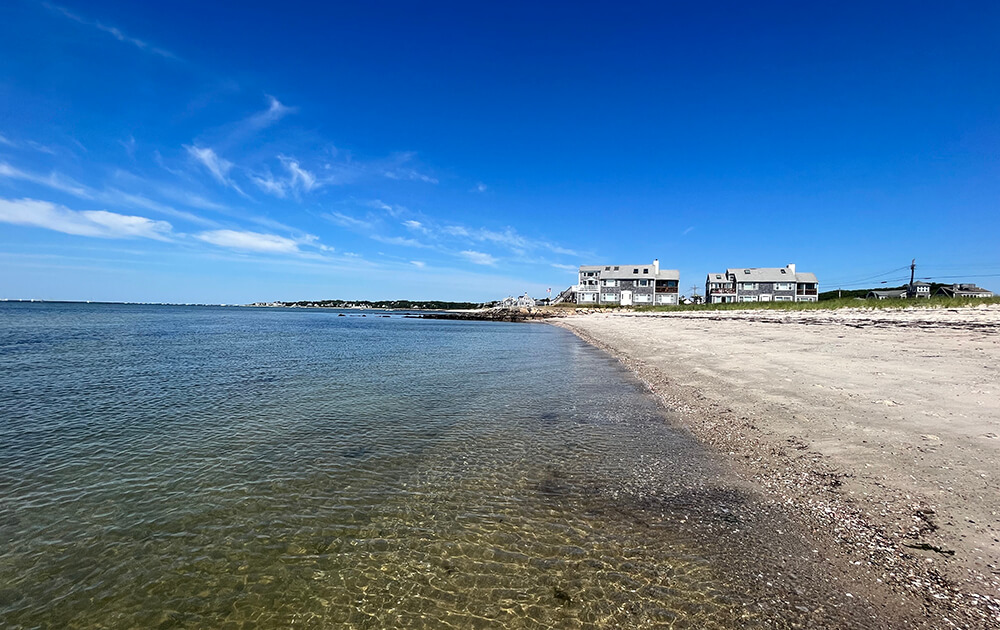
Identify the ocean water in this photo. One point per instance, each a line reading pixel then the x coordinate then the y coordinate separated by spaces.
pixel 267 468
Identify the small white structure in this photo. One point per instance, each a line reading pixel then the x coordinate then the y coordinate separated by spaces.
pixel 525 301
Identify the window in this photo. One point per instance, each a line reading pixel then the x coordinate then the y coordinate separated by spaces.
pixel 635 271
pixel 746 271
pixel 748 286
pixel 672 283
pixel 784 270
pixel 616 268
pixel 784 286
pixel 609 297
pixel 644 297
pixel 644 283
pixel 607 269
pixel 610 283
pixel 645 271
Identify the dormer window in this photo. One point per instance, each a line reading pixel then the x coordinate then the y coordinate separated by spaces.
pixel 746 271
pixel 783 271
pixel 616 268
pixel 635 271
pixel 607 269
pixel 645 271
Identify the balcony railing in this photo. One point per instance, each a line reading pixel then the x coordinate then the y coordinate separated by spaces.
pixel 728 291
pixel 806 292
pixel 666 289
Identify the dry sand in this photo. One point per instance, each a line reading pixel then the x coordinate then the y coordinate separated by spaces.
pixel 878 429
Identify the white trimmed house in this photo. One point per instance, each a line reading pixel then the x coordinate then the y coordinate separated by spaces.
pixel 761 284
pixel 627 285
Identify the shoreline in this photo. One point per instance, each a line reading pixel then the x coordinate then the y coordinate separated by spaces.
pixel 878 529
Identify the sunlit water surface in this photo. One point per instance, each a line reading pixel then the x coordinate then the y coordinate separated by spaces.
pixel 222 467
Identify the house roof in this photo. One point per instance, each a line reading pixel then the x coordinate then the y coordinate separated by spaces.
pixel 769 274
pixel 966 289
pixel 627 272
pixel 891 293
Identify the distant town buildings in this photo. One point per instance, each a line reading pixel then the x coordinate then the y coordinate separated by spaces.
pixel 761 284
pixel 627 285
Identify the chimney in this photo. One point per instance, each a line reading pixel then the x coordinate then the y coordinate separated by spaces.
pixel 791 268
pixel 656 266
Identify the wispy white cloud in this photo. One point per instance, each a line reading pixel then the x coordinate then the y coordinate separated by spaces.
pixel 297 180
pixel 344 220
pixel 218 167
pixel 129 145
pixel 378 204
pixel 52 180
pixel 275 111
pixel 117 197
pixel 111 30
pixel 409 174
pixel 416 226
pixel 299 177
pixel 398 167
pixel 688 230
pixel 97 223
pixel 250 241
pixel 30 144
pixel 565 267
pixel 41 148
pixel 478 258
pixel 398 240
pixel 419 264
pixel 110 196
pixel 507 237
pixel 480 187
pixel 190 199
pixel 269 184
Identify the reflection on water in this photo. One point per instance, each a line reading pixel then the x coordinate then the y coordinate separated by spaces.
pixel 200 467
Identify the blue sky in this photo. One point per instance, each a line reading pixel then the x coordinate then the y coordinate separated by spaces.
pixel 196 152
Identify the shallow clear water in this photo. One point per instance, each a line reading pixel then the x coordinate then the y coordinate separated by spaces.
pixel 223 467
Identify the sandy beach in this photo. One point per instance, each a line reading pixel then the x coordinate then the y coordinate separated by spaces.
pixel 878 429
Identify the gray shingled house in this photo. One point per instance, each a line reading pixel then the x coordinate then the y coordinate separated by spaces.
pixel 627 285
pixel 964 290
pixel 761 284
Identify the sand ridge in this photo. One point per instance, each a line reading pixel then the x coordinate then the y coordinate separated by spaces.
pixel 880 428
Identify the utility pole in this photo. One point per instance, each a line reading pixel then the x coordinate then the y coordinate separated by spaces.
pixel 694 292
pixel 913 268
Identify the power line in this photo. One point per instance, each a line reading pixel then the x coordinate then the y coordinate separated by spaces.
pixel 867 278
pixel 980 275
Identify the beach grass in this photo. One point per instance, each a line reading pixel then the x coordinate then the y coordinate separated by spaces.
pixel 934 302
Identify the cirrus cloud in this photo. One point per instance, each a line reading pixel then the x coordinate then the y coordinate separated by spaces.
pixel 96 223
pixel 478 258
pixel 250 241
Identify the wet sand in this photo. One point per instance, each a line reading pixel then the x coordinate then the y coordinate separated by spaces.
pixel 878 431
